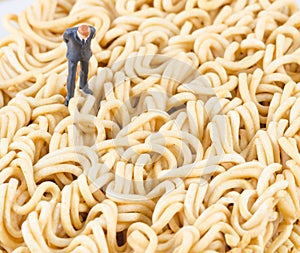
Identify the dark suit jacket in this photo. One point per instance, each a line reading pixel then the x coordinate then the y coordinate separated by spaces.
pixel 76 51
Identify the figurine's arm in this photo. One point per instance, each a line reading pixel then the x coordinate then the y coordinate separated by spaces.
pixel 93 32
pixel 66 36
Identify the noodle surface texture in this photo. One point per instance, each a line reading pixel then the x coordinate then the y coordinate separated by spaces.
pixel 190 142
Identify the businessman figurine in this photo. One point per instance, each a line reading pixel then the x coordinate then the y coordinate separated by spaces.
pixel 78 40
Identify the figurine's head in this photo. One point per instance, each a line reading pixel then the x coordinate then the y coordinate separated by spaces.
pixel 84 31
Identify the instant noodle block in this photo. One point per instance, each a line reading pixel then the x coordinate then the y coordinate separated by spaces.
pixel 189 143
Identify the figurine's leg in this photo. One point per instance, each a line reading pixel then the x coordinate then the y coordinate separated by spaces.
pixel 84 70
pixel 71 80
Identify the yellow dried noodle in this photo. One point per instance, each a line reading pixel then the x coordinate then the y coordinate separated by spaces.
pixel 190 142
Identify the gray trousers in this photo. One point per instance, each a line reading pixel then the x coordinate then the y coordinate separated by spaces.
pixel 84 70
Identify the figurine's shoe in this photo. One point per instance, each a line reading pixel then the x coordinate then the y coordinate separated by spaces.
pixel 66 102
pixel 86 90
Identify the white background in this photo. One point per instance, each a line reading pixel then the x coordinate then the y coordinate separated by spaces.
pixel 12 6
pixel 15 6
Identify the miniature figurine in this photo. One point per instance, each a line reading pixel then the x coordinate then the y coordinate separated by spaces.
pixel 78 40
